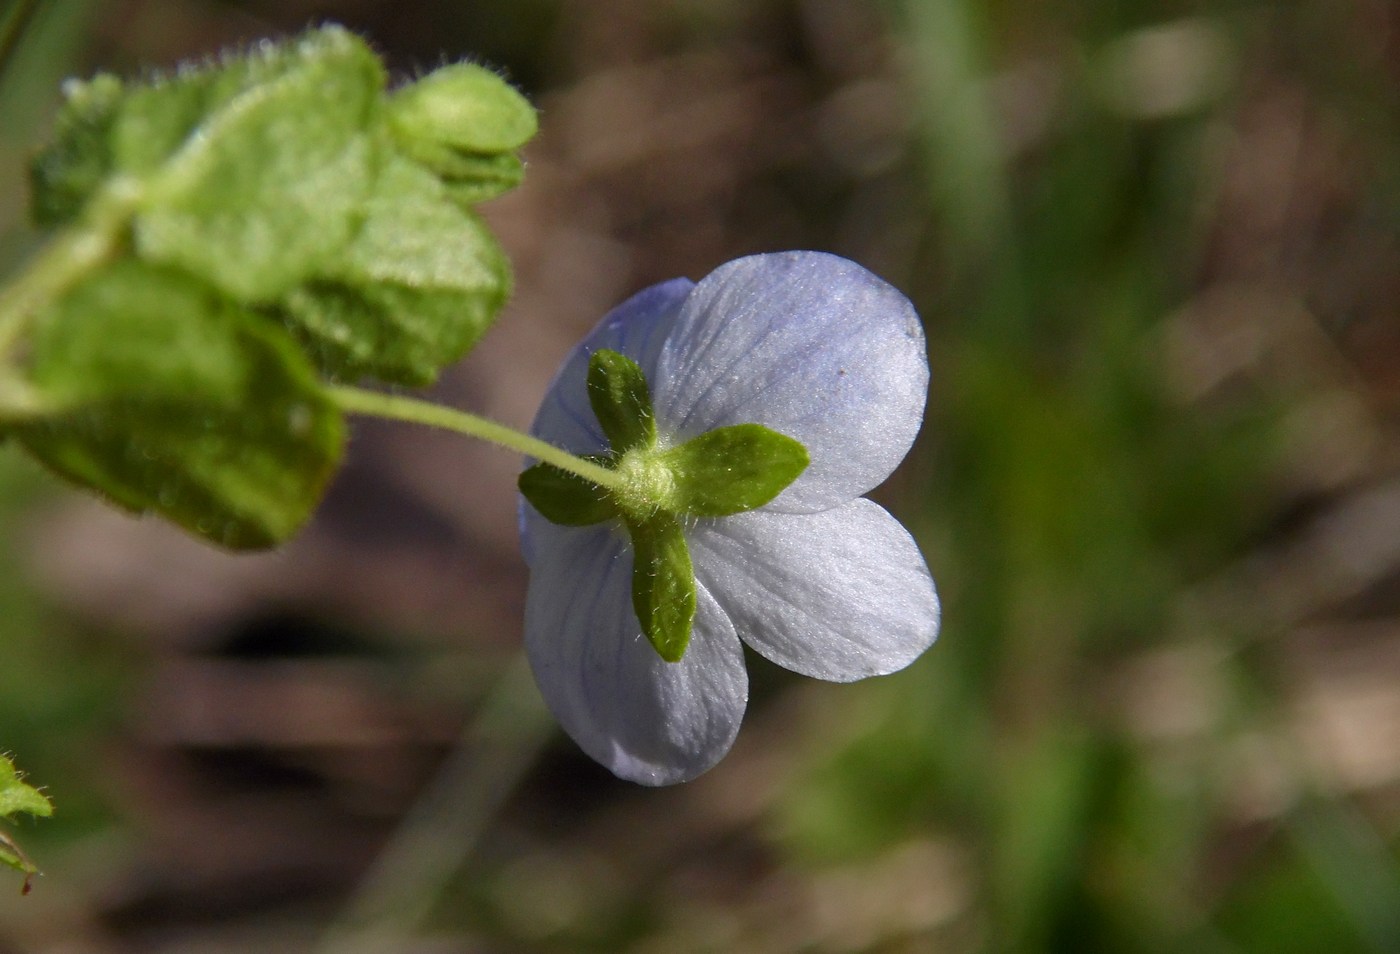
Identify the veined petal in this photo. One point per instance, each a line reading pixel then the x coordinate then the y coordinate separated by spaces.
pixel 645 719
pixel 811 345
pixel 839 595
pixel 635 328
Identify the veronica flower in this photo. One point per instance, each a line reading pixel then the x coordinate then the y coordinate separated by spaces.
pixel 724 531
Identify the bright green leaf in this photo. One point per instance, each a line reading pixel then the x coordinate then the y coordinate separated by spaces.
pixel 483 177
pixel 663 584
pixel 270 183
pixel 470 178
pixel 733 469
pixel 17 797
pixel 165 397
pixel 465 107
pixel 414 292
pixel 565 498
pixel 617 391
pixel 248 172
pixel 464 123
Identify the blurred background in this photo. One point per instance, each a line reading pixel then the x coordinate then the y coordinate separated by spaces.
pixel 1156 246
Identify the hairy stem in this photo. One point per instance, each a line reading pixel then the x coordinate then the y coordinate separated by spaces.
pixel 70 255
pixel 412 410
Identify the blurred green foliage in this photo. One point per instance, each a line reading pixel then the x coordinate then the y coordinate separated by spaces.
pixel 1071 501
pixel 203 214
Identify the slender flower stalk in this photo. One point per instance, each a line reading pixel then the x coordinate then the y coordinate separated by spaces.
pixel 400 408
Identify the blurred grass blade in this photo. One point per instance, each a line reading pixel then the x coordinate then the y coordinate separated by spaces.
pixel 17 20
pixel 964 160
pixel 1351 857
pixel 440 832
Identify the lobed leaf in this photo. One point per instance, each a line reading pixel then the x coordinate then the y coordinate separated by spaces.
pixel 248 173
pixel 163 396
pixel 270 184
pixel 272 199
pixel 465 107
pixel 464 123
pixel 415 290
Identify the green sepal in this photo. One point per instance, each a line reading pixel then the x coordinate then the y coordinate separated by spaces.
pixel 663 584
pixel 465 107
pixel 567 499
pixel 618 393
pixel 733 469
pixel 163 396
pixel 415 290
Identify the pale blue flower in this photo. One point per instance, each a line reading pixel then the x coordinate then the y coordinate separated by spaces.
pixel 820 580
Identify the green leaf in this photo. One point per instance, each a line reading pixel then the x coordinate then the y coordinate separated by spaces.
pixel 17 797
pixel 13 856
pixel 269 183
pixel 154 120
pixel 464 123
pixel 248 172
pixel 165 397
pixel 67 173
pixel 733 469
pixel 462 106
pixel 470 178
pixel 663 584
pixel 484 178
pixel 565 498
pixel 617 390
pixel 417 288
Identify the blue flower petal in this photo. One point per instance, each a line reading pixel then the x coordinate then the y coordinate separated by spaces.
pixel 645 719
pixel 811 345
pixel 839 595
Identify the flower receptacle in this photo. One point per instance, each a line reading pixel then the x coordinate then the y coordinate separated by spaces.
pixel 722 472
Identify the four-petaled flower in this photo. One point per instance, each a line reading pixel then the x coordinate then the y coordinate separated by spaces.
pixel 819 580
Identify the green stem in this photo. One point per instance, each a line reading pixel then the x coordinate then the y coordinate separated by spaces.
pixel 18 402
pixel 71 254
pixel 395 407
